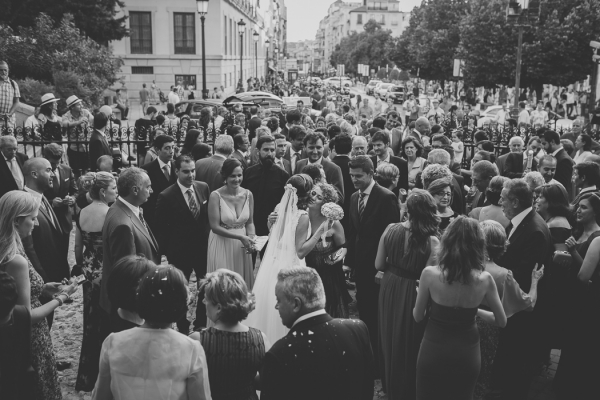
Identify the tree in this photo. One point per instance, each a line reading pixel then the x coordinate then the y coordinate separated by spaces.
pixel 97 18
pixel 429 44
pixel 60 55
pixel 555 48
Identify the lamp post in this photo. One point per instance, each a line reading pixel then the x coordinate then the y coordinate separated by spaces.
pixel 255 36
pixel 203 10
pixel 241 27
pixel 267 43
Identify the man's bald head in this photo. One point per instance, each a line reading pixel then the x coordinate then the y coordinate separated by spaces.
pixel 422 125
pixel 38 174
pixel 34 165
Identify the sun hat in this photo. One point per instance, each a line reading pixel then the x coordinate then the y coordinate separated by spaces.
pixel 72 100
pixel 48 98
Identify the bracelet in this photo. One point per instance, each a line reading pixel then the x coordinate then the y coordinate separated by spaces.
pixel 60 302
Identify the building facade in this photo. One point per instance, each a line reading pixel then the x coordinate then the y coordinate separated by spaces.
pixel 165 43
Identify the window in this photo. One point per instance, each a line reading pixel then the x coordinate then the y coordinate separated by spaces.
pixel 359 19
pixel 394 22
pixel 224 79
pixel 185 33
pixel 186 81
pixel 142 70
pixel 225 26
pixel 140 26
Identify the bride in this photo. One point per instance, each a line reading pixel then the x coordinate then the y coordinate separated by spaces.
pixel 289 242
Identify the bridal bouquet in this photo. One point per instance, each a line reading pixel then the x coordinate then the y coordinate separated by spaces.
pixel 332 212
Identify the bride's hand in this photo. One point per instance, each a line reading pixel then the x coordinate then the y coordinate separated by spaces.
pixel 273 218
pixel 247 242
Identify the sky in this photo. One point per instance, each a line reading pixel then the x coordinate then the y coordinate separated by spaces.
pixel 304 16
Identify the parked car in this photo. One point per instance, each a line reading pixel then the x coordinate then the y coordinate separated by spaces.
pixel 193 107
pixel 335 81
pixel 382 89
pixel 262 99
pixel 371 86
pixel 396 93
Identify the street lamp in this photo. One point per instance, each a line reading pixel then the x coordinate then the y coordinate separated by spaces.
pixel 203 10
pixel 241 27
pixel 255 36
pixel 267 43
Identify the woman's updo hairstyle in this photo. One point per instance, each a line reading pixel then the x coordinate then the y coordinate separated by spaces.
pixel 495 239
pixel 92 182
pixel 330 195
pixel 303 184
pixel 495 189
pixel 162 295
pixel 228 167
pixel 228 289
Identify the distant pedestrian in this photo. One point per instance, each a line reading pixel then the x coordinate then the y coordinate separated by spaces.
pixel 9 97
pixel 122 104
pixel 144 98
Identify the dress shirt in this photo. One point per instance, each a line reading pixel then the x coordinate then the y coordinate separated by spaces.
pixel 15 170
pixel 386 160
pixel 184 190
pixel 162 166
pixel 279 163
pixel 294 160
pixel 319 161
pixel 135 209
pixel 556 152
pixel 588 189
pixel 367 192
pixel 516 221
pixel 309 315
pixel 243 153
pixel 43 203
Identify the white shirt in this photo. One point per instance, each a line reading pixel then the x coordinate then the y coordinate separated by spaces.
pixel 136 210
pixel 172 98
pixel 367 193
pixel 516 221
pixel 162 165
pixel 319 161
pixel 15 170
pixel 309 315
pixel 556 152
pixel 524 117
pixel 243 153
pixel 386 160
pixel 218 122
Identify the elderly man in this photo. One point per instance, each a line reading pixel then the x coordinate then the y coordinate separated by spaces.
pixel 517 163
pixel 126 233
pixel 9 97
pixel 515 145
pixel 483 172
pixel 11 165
pixel 422 129
pixel 208 170
pixel 307 362
pixel 359 146
pixel 435 114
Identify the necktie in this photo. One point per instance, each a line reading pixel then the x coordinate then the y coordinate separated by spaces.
pixel 361 203
pixel 12 164
pixel 142 220
pixel 166 171
pixel 294 158
pixel 509 229
pixel 49 211
pixel 192 203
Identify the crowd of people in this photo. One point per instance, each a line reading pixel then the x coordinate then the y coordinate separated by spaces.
pixel 465 278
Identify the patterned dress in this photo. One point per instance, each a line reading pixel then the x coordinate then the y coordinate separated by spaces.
pixel 91 344
pixel 42 352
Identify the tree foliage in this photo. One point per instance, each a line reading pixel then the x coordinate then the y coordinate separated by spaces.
pixel 60 55
pixel 97 18
pixel 371 47
pixel 429 44
pixel 555 48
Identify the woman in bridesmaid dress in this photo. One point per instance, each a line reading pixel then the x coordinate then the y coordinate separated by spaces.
pixel 449 359
pixel 18 216
pixel 405 249
pixel 234 351
pixel 230 214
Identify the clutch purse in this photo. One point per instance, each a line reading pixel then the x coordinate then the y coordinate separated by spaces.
pixel 562 257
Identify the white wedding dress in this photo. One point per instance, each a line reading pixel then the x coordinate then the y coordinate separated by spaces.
pixel 280 253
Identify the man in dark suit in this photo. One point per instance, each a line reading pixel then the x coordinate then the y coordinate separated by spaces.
pixel 11 165
pixel 515 165
pixel 182 227
pixel 372 209
pixel 381 142
pixel 61 194
pixel 483 172
pixel 266 181
pixel 125 232
pixel 208 170
pixel 254 123
pixel 98 142
pixel 314 143
pixel 241 144
pixel 564 163
pixel 45 247
pixel 281 146
pixel 320 358
pixel 292 118
pixel 295 152
pixel 343 147
pixel 586 177
pixel 529 244
pixel 161 174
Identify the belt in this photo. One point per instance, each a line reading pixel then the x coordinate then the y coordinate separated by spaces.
pixel 239 226
pixel 402 273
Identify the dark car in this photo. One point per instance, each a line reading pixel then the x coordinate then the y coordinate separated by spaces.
pixel 193 107
pixel 262 99
pixel 396 93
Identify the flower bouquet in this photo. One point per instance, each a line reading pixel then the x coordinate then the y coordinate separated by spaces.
pixel 332 212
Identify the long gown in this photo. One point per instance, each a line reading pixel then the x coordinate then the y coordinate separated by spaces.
pixel 449 359
pixel 228 253
pixel 265 317
pixel 332 275
pixel 399 334
pixel 91 344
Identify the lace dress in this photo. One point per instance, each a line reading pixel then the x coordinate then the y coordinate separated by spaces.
pixel 332 276
pixel 91 344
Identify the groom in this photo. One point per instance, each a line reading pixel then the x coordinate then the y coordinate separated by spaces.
pixel 320 357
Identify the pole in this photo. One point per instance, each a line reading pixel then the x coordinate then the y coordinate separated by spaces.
pixel 256 58
pixel 518 74
pixel 593 84
pixel 241 60
pixel 267 65
pixel 204 90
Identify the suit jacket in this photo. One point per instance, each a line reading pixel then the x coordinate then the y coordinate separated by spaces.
pixel 181 237
pixel 333 174
pixel 98 147
pixel 564 170
pixel 287 166
pixel 402 166
pixel 208 171
pixel 514 165
pixel 396 144
pixel 349 189
pixel 529 244
pixel 501 161
pixel 458 194
pixel 320 358
pixel 364 233
pixel 236 154
pixel 64 184
pixel 253 124
pixel 123 235
pixel 45 247
pixel 159 183
pixel 7 182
